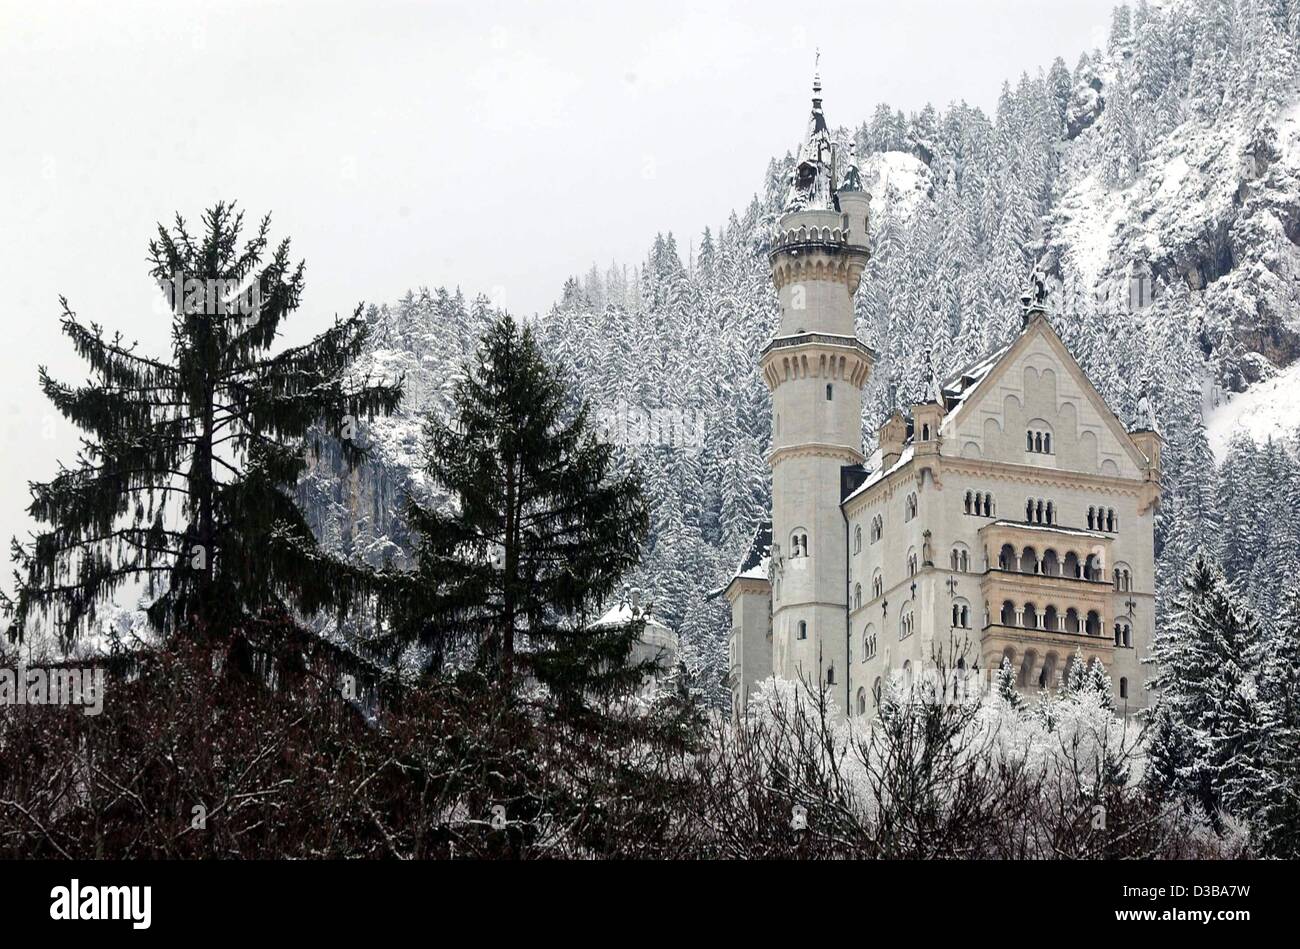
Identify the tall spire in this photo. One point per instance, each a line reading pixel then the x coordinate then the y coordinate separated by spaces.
pixel 812 183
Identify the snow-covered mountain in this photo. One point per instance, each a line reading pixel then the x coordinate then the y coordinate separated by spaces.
pixel 1157 183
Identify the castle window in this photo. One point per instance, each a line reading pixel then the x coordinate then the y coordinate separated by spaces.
pixel 978 504
pixel 803 629
pixel 1123 687
pixel 830 676
pixel 857 539
pixel 1038 511
pixel 906 624
pixel 869 642
pixel 909 507
pixel 911 564
pixel 862 701
pixel 877 528
pixel 925 432
pixel 961 615
pixel 857 596
pixel 960 560
pixel 799 543
pixel 1038 438
pixel 877 585
pixel 829 393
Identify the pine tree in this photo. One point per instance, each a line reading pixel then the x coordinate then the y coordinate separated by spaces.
pixel 539 534
pixel 183 482
pixel 1204 660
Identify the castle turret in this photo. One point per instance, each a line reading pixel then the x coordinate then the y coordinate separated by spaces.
pixel 815 368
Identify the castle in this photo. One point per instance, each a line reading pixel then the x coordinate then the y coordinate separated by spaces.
pixel 1008 516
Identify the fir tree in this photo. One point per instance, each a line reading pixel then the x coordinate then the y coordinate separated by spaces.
pixel 187 462
pixel 540 531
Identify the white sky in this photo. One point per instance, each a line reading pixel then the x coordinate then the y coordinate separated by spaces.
pixel 496 146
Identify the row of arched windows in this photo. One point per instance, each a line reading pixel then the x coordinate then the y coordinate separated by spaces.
pixel 1123 578
pixel 906 624
pixel 960 560
pixel 979 504
pixel 1038 511
pixel 1103 519
pixel 1046 673
pixel 1050 619
pixel 1051 565
pixel 1038 442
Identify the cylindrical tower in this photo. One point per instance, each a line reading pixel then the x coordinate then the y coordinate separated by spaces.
pixel 815 368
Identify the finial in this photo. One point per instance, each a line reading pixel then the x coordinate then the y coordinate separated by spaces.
pixel 1034 299
pixel 817 74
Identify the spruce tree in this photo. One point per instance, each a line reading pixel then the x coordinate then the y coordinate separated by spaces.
pixel 187 461
pixel 1205 658
pixel 538 534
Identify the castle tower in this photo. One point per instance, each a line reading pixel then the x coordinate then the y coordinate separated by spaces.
pixel 816 368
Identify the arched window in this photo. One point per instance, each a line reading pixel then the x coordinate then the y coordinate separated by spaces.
pixel 1007 559
pixel 909 507
pixel 799 543
pixel 1030 620
pixel 877 528
pixel 862 700
pixel 1038 437
pixel 857 596
pixel 829 393
pixel 1047 678
pixel 1051 619
pixel 1008 614
pixel 961 614
pixel 925 432
pixel 803 629
pixel 869 642
pixel 1093 627
pixel 830 675
pixel 1051 563
pixel 911 564
pixel 970 497
pixel 906 623
pixel 1123 687
pixel 857 539
pixel 877 585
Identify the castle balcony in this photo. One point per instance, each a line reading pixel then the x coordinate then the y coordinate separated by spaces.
pixel 1041 657
pixel 816 355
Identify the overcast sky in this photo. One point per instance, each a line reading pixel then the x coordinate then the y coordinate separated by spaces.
pixel 496 146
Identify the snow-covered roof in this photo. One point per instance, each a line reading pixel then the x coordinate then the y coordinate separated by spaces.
pixel 1049 529
pixel 876 474
pixel 623 613
pixel 754 564
pixel 811 185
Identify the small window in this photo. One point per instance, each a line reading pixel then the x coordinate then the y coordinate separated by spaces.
pixel 803 630
pixel 1123 687
pixel 830 676
pixel 829 393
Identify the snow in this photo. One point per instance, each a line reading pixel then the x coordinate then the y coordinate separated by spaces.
pixel 898 179
pixel 876 477
pixel 1268 409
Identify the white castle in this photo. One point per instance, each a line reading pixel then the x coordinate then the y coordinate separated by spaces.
pixel 1010 516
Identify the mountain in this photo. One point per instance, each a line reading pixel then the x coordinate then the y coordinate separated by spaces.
pixel 1156 184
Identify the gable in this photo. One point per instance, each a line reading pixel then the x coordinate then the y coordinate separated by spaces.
pixel 1037 387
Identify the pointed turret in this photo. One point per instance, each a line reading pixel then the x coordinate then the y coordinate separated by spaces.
pixel 812 186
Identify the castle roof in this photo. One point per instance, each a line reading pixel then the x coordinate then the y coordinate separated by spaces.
pixel 812 184
pixel 754 563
